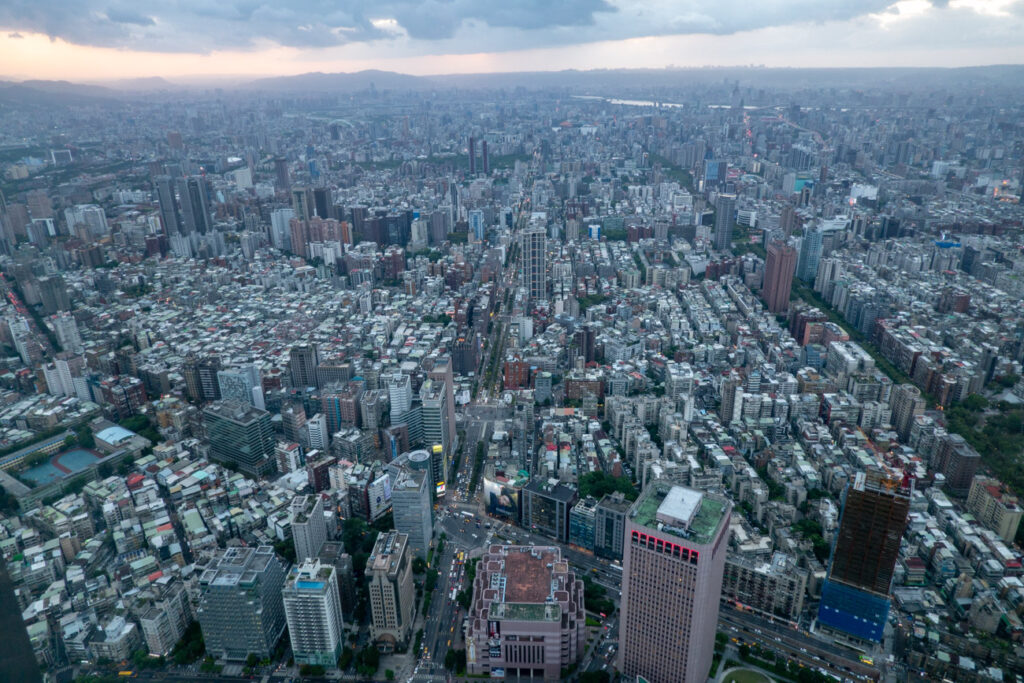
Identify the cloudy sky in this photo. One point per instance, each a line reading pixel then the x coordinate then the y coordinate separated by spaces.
pixel 110 39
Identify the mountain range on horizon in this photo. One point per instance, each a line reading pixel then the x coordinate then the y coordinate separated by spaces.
pixel 607 82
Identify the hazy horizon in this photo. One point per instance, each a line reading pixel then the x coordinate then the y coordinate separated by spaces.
pixel 97 43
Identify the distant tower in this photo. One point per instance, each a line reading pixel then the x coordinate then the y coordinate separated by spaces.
pixel 483 158
pixel 778 276
pixel 534 257
pixel 281 172
pixel 168 207
pixel 472 156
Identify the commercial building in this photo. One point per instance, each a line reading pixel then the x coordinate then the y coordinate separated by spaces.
pixel 240 605
pixel 312 607
pixel 242 435
pixel 389 570
pixel 413 513
pixel 333 553
pixel 582 519
pixel 546 506
pixel 673 564
pixel 433 396
pixel 854 597
pixel 775 588
pixel 725 218
pixel 527 618
pixel 309 529
pixel 610 525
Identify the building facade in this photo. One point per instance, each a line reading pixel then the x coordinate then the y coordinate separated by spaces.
pixel 392 594
pixel 312 607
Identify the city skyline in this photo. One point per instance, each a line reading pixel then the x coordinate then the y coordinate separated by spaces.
pixel 253 40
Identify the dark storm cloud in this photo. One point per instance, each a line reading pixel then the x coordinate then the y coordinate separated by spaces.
pixel 488 25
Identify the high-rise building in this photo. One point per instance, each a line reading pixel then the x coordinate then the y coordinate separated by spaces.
pixel 195 205
pixel 240 607
pixel 309 529
pixel 66 329
pixel 778 276
pixel 410 503
pixel 732 398
pixel 303 203
pixel 485 161
pixel 312 607
pixel 672 568
pixel 610 525
pixel 434 404
pixel 907 403
pixel 534 260
pixel 293 423
pixel 854 597
pixel 200 374
pixel 546 508
pixel 344 572
pixel 281 173
pixel 472 155
pixel 302 361
pixel 241 384
pixel 392 594
pixel 527 619
pixel 811 247
pixel 958 462
pixel 319 437
pixel 242 435
pixel 725 218
pixel 992 504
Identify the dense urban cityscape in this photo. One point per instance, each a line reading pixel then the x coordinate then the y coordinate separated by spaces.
pixel 669 376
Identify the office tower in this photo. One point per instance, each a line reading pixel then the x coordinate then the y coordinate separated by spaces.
pixel 281 173
pixel 302 362
pixel 443 371
pixel 778 276
pixel 907 403
pixel 200 374
pixel 280 228
pixel 195 205
pixel 787 219
pixel 240 435
pixel 312 608
pixel 582 520
pixel 410 503
pixel 437 438
pixel 240 607
pixel 476 224
pixel 527 619
pixel 309 528
pixel 810 253
pixel 672 567
pixel 472 155
pixel 725 217
pixel 610 525
pixel 389 570
pixel 319 437
pixel 485 161
pixel 534 259
pixel 854 597
pixel 238 384
pixel 546 508
pixel 302 203
pixel 399 386
pixel 323 202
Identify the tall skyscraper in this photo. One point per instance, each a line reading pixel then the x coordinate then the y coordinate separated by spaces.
pixel 672 568
pixel 433 398
pixel 810 253
pixel 241 384
pixel 534 260
pixel 195 205
pixel 303 203
pixel 485 161
pixel 778 276
pixel 281 173
pixel 410 503
pixel 240 606
pixel 732 393
pixel 907 403
pixel 472 155
pixel 725 218
pixel 854 597
pixel 389 570
pixel 169 214
pixel 312 607
pixel 309 529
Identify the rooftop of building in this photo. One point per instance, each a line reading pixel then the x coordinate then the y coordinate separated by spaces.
pixel 683 512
